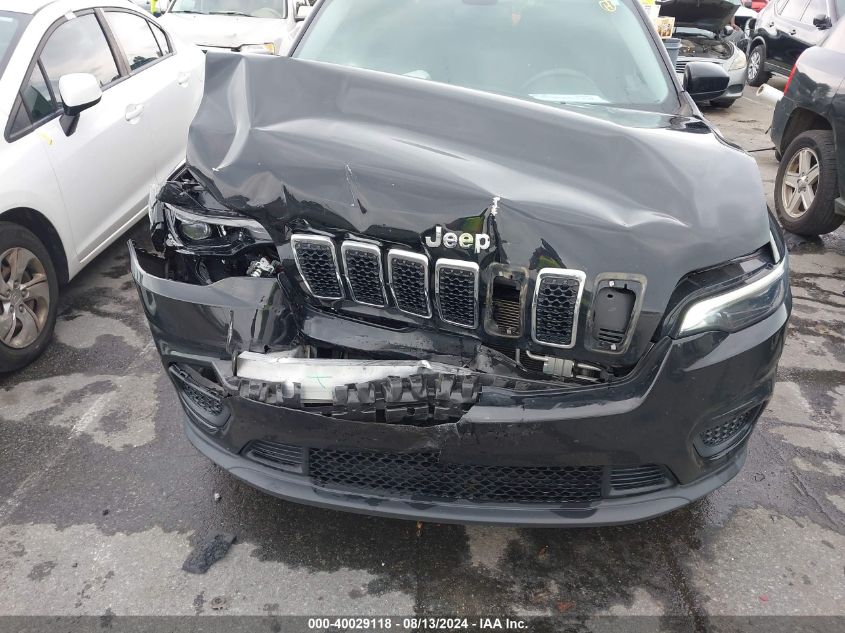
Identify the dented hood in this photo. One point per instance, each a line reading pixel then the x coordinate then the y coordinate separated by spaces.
pixel 300 144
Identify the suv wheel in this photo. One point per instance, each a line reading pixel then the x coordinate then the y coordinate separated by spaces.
pixel 806 185
pixel 29 292
pixel 757 74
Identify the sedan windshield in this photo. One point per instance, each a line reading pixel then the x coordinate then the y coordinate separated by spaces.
pixel 578 52
pixel 11 27
pixel 249 8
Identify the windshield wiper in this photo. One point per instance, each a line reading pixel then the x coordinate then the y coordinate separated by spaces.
pixel 188 11
pixel 246 15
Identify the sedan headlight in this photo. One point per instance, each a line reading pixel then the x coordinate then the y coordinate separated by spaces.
pixel 739 61
pixel 267 47
pixel 739 308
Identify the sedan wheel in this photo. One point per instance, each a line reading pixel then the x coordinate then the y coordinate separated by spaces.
pixel 800 182
pixel 24 297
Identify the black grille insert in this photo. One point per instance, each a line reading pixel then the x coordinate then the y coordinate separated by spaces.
pixel 456 287
pixel 423 475
pixel 409 281
pixel 637 479
pixel 727 433
pixel 275 455
pixel 557 298
pixel 716 435
pixel 200 395
pixel 362 263
pixel 317 263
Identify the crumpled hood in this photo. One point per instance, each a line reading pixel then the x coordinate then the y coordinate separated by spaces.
pixel 710 15
pixel 298 144
pixel 224 31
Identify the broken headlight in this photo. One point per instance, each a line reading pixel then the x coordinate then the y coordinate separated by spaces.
pixel 739 308
pixel 193 229
pixel 194 220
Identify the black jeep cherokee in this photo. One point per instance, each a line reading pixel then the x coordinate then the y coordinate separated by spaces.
pixel 461 260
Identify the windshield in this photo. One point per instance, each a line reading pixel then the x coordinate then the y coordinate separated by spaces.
pixel 250 8
pixel 11 27
pixel 579 52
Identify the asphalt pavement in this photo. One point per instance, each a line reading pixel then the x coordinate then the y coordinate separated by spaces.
pixel 103 500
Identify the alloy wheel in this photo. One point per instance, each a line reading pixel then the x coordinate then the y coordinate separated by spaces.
pixel 24 297
pixel 754 62
pixel 800 182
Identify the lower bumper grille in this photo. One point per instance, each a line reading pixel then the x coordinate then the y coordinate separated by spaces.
pixel 423 475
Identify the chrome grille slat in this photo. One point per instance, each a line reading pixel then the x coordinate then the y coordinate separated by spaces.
pixel 408 280
pixel 317 263
pixel 557 302
pixel 456 292
pixel 363 270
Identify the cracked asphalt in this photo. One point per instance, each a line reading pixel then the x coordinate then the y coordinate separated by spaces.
pixel 103 500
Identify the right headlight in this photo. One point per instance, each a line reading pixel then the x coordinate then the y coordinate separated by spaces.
pixel 741 307
pixel 739 61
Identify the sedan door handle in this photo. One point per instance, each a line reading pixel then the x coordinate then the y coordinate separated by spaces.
pixel 183 78
pixel 134 111
pixel 792 31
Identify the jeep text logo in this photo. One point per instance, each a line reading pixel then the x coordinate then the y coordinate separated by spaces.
pixel 481 241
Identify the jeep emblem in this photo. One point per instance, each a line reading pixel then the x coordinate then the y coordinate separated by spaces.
pixel 481 241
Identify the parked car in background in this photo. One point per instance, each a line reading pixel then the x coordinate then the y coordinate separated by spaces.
pixel 246 26
pixel 95 103
pixel 705 29
pixel 474 271
pixel 756 5
pixel 808 129
pixel 783 30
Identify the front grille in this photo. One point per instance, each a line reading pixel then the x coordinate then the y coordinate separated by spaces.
pixel 637 478
pixel 557 300
pixel 275 455
pixel 423 475
pixel 317 263
pixel 409 281
pixel 456 287
pixel 362 263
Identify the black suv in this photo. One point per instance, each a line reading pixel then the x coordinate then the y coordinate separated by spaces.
pixel 785 29
pixel 497 279
pixel 808 129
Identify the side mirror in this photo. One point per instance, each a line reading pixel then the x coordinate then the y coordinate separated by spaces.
pixel 705 80
pixel 302 12
pixel 79 91
pixel 822 22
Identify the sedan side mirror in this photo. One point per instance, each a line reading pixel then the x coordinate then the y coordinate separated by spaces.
pixel 302 12
pixel 79 91
pixel 822 22
pixel 705 80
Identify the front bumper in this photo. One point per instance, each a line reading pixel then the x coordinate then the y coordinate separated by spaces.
pixel 655 416
pixel 736 84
